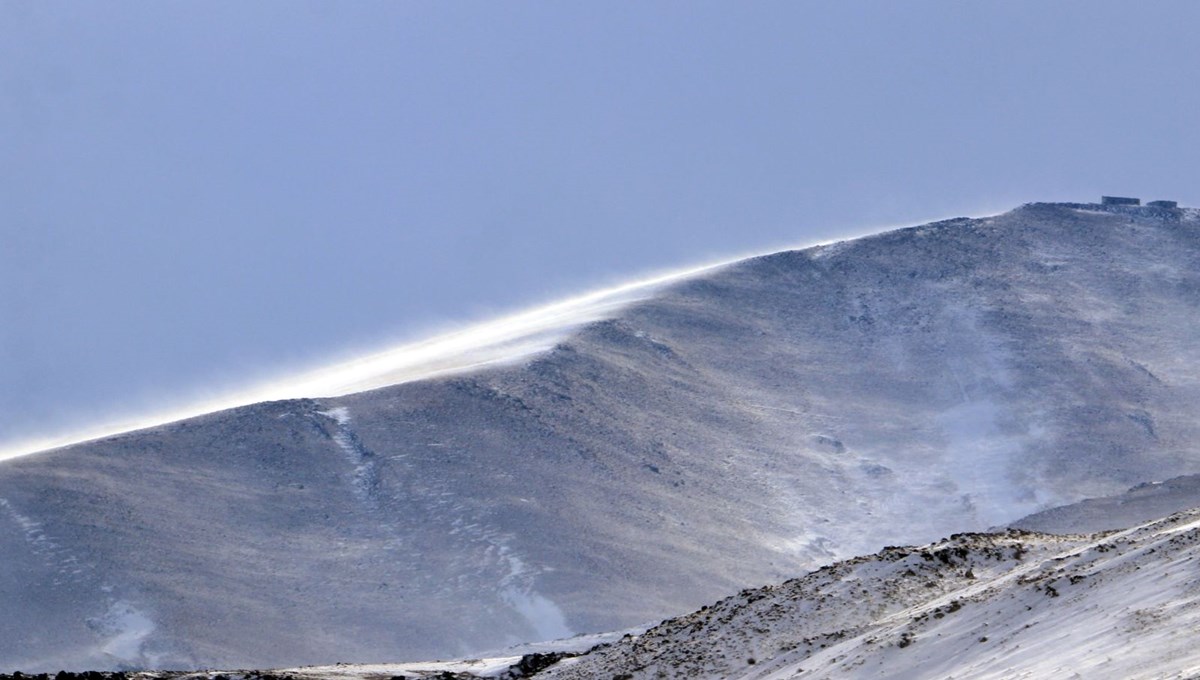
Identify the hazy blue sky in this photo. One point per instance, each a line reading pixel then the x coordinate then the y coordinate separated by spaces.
pixel 198 194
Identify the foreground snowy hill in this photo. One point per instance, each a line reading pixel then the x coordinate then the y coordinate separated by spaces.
pixel 1015 605
pixel 733 428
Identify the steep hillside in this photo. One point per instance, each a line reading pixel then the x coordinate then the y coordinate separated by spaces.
pixel 736 428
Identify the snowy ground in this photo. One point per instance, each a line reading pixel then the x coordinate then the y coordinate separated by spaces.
pixel 1118 605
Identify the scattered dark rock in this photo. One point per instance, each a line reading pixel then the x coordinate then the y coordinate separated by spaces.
pixel 531 664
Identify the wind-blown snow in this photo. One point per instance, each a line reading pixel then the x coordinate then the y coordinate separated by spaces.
pixel 503 340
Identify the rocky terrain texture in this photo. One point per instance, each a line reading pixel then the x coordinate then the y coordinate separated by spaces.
pixel 1013 605
pixel 736 428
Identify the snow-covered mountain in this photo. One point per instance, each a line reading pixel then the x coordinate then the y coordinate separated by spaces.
pixel 729 428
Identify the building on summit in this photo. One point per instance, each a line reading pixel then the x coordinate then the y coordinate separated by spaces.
pixel 1119 200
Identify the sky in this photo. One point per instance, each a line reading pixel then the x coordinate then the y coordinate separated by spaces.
pixel 196 197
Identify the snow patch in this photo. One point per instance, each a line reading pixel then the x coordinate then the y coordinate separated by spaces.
pixel 341 414
pixel 366 472
pixel 126 629
pixel 482 668
pixel 543 615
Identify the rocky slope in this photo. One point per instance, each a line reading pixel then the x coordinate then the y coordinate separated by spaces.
pixel 736 428
pixel 1013 605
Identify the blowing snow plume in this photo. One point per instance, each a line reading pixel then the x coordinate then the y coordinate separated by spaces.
pixel 739 426
pixel 506 339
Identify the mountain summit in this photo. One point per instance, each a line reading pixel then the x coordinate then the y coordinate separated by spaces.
pixel 738 426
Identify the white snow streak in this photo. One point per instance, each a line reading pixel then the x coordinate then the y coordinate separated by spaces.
pixel 504 340
pixel 128 628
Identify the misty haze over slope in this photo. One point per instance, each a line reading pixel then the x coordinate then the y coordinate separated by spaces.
pixel 736 428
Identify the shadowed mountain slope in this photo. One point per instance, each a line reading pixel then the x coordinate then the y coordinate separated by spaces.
pixel 736 428
pixel 1138 505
